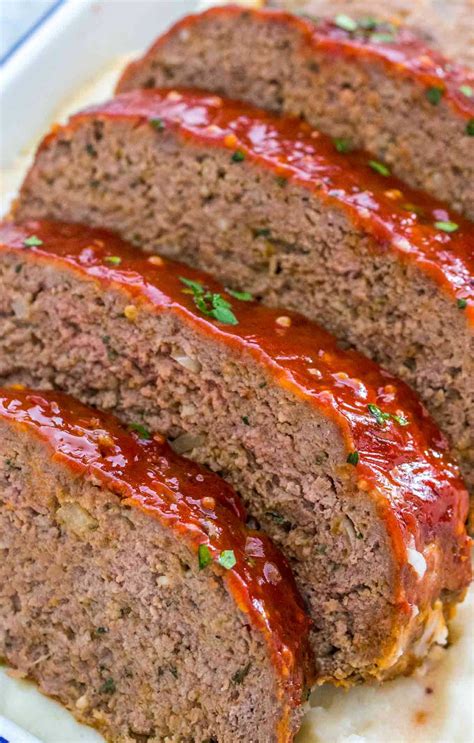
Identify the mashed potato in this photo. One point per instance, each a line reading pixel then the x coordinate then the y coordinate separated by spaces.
pixel 435 705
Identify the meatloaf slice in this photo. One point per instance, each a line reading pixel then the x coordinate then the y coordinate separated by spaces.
pixel 132 589
pixel 447 26
pixel 387 93
pixel 335 458
pixel 273 206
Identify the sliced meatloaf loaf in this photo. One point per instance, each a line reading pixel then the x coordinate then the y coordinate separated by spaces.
pixel 273 206
pixel 334 457
pixel 388 93
pixel 132 589
pixel 448 26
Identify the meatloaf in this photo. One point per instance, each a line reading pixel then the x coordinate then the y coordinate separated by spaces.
pixel 287 213
pixel 446 25
pixel 387 93
pixel 334 457
pixel 132 589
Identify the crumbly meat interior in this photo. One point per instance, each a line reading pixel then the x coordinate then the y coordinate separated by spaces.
pixel 385 114
pixel 109 613
pixel 287 460
pixel 277 241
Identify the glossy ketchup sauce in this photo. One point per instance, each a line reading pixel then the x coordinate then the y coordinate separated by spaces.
pixel 394 449
pixel 401 51
pixel 401 220
pixel 188 499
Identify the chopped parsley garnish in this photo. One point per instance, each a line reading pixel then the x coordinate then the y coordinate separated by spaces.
pixel 381 417
pixel 378 414
pixel 143 432
pixel 32 242
pixel 345 22
pixel 115 260
pixel 91 150
pixel 157 124
pixel 275 516
pixel 353 458
pixel 400 419
pixel 466 90
pixel 101 630
pixel 446 226
pixel 382 38
pixel 209 303
pixel 418 210
pixel 245 420
pixel 262 232
pixel 281 180
pixel 368 23
pixel 227 559
pixel 379 167
pixel 239 675
pixel 470 128
pixel 243 296
pixel 461 304
pixel 204 556
pixel 343 145
pixel 434 95
pixel 238 156
pixel 108 687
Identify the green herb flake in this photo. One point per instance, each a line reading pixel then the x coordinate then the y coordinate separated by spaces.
pixel 345 22
pixel 204 556
pixel 141 430
pixel 343 145
pixel 108 687
pixel 157 124
pixel 245 420
pixel 262 232
pixel 401 420
pixel 91 150
pixel 446 226
pixel 369 23
pixel 32 242
pixel 353 458
pixel 275 516
pixel 240 675
pixel 382 38
pixel 238 156
pixel 470 128
pixel 227 559
pixel 466 90
pixel 115 260
pixel 434 95
pixel 243 296
pixel 461 304
pixel 414 208
pixel 281 180
pixel 379 168
pixel 378 414
pixel 209 303
pixel 382 417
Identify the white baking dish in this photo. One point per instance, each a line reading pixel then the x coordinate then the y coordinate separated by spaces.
pixel 71 60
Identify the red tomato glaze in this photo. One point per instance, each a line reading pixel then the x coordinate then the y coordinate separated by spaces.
pixel 398 218
pixel 401 51
pixel 190 500
pixel 403 459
